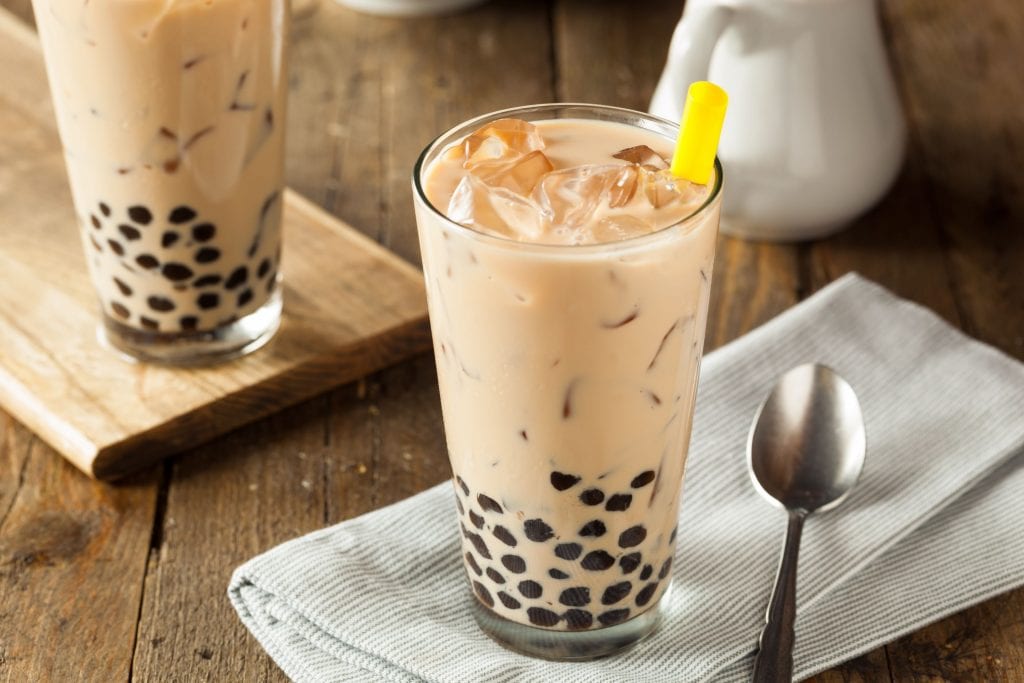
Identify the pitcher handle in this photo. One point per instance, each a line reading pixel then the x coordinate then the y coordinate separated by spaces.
pixel 689 55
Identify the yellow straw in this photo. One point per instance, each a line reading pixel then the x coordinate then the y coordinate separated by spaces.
pixel 699 130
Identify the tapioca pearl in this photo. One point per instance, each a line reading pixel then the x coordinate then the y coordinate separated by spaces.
pixel 672 536
pixel 562 481
pixel 462 485
pixel 206 281
pixel 181 214
pixel 537 530
pixel 245 297
pixel 616 592
pixel 476 519
pixel 542 617
pixel 189 322
pixel 612 617
pixel 472 564
pixel 508 600
pixel 665 568
pixel 116 247
pixel 207 301
pixel 646 572
pixel 619 502
pixel 169 238
pixel 104 209
pixel 160 303
pixel 593 528
pixel 140 214
pixel 96 245
pixel 264 268
pixel 207 255
pixel 489 504
pixel 577 619
pixel 147 261
pixel 632 537
pixel 95 221
pixel 148 323
pixel 597 560
pixel 458 504
pixel 483 594
pixel 505 536
pixel 643 479
pixel 203 232
pixel 129 232
pixel 629 562
pixel 271 282
pixel 120 310
pixel 557 574
pixel 592 497
pixel 577 596
pixel 568 551
pixel 513 563
pixel 238 277
pixel 645 594
pixel 530 589
pixel 479 544
pixel 125 289
pixel 176 272
pixel 495 576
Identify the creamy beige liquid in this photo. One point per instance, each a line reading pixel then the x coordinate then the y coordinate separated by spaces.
pixel 567 378
pixel 172 117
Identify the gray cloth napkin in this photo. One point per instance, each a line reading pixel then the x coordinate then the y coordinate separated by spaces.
pixel 933 526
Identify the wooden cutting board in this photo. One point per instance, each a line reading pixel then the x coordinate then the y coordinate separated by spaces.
pixel 351 307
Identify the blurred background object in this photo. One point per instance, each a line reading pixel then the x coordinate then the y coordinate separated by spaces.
pixel 406 8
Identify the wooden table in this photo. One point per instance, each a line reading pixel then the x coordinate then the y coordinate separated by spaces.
pixel 117 582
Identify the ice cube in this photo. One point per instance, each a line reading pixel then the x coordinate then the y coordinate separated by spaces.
pixel 494 210
pixel 520 175
pixel 661 188
pixel 504 139
pixel 642 155
pixel 570 196
pixel 619 227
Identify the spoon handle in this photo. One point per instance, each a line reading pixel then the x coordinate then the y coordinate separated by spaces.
pixel 774 660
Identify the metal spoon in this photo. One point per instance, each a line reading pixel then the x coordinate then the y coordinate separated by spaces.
pixel 805 453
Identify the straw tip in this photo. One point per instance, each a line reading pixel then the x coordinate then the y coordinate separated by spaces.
pixel 708 94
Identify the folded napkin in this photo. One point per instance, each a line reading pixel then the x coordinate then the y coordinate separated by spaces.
pixel 932 527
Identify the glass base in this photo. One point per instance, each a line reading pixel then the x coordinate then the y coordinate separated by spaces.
pixel 568 646
pixel 206 347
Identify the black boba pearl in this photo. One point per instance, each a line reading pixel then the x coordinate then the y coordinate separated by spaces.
pixel 116 247
pixel 476 519
pixel 646 572
pixel 472 564
pixel 206 281
pixel 672 536
pixel 577 619
pixel 542 617
pixel 612 617
pixel 159 303
pixel 168 239
pixel 264 268
pixel 140 214
pixel 176 272
pixel 488 504
pixel 458 504
pixel 120 310
pixel 271 282
pixel 592 497
pixel 483 594
pixel 577 596
pixel 505 536
pixel 508 600
pixel 616 592
pixel 629 562
pixel 619 502
pixel 495 576
pixel 479 544
pixel 104 209
pixel 207 255
pixel 208 301
pixel 462 484
pixel 514 563
pixel 189 322
pixel 181 214
pixel 557 574
pixel 593 528
pixel 665 568
pixel 95 244
pixel 95 221
pixel 568 551
pixel 125 289
pixel 203 232
pixel 597 560
pixel 245 297
pixel 530 589
pixel 536 530
pixel 149 323
pixel 633 536
pixel 562 481
pixel 643 479
pixel 238 276
pixel 646 593
pixel 147 261
pixel 130 233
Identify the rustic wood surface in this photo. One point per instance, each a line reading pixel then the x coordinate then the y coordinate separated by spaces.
pixel 101 582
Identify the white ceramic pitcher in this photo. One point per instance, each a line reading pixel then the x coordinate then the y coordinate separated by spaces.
pixel 814 135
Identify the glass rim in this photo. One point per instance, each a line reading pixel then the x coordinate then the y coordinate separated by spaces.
pixel 441 142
